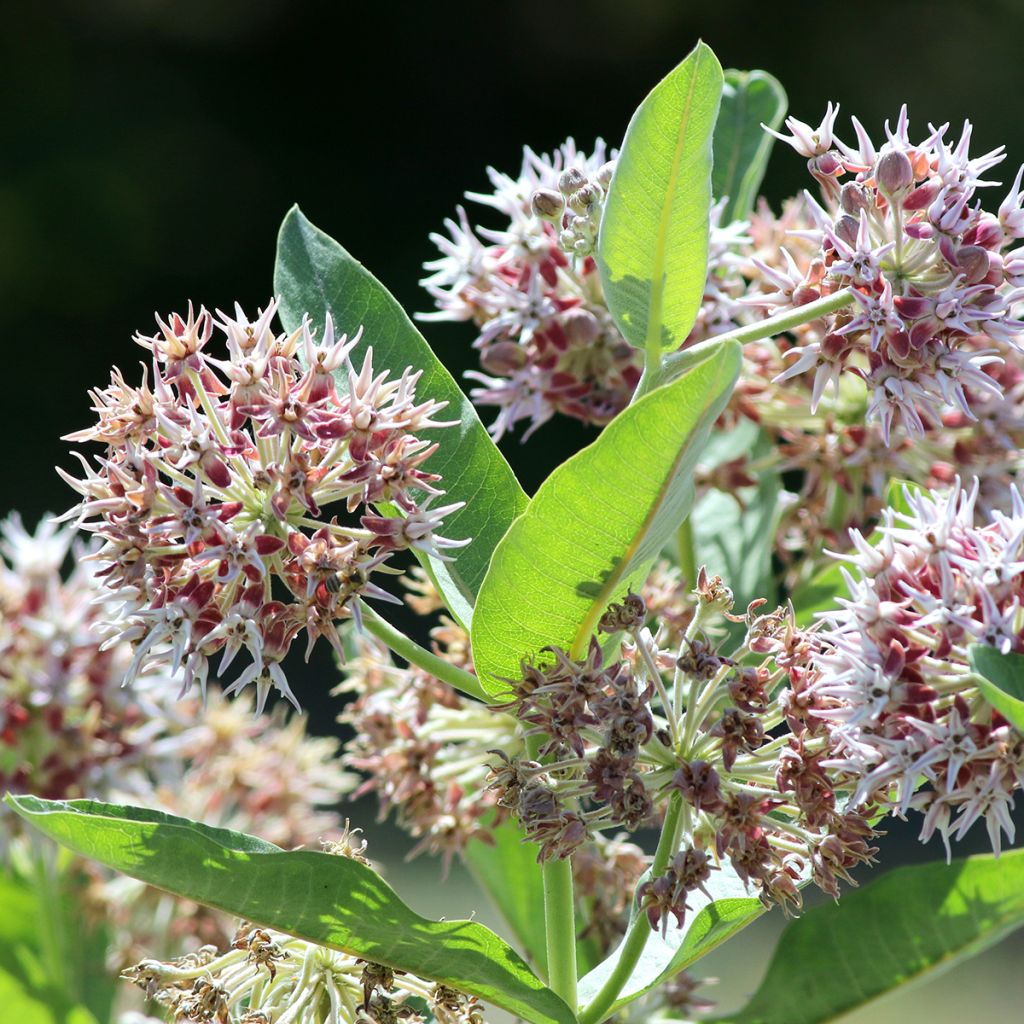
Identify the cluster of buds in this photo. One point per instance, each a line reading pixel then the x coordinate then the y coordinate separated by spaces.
pixel 427 753
pixel 265 977
pixel 689 727
pixel 935 278
pixel 891 685
pixel 547 341
pixel 212 496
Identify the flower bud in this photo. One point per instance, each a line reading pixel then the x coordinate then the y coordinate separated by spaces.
pixel 581 327
pixel 847 228
pixel 570 180
pixel 604 174
pixel 584 198
pixel 503 358
pixel 894 173
pixel 547 204
pixel 972 261
pixel 853 198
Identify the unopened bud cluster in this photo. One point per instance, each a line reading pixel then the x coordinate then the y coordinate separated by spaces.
pixel 219 493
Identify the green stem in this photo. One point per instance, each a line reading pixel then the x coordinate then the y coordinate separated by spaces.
pixel 636 938
pixel 687 555
pixel 560 929
pixel 679 362
pixel 404 647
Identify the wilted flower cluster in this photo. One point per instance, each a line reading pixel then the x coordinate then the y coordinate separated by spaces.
pixel 892 685
pixel 935 278
pixel 213 496
pixel 547 341
pixel 690 727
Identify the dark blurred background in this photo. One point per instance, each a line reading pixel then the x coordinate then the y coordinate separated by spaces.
pixel 151 148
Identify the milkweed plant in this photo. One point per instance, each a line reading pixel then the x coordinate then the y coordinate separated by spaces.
pixel 776 601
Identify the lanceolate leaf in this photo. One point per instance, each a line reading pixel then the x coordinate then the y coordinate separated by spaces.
pixel 741 145
pixel 708 925
pixel 734 534
pixel 597 523
pixel 315 275
pixel 1001 681
pixel 653 247
pixel 509 872
pixel 333 901
pixel 910 922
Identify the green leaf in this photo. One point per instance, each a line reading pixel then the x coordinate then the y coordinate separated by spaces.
pixel 653 248
pixel 597 523
pixel 710 923
pixel 911 922
pixel 734 535
pixel 329 900
pixel 741 145
pixel 1001 681
pixel 511 876
pixel 33 988
pixel 315 275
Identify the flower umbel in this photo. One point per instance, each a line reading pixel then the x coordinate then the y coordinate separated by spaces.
pixel 238 498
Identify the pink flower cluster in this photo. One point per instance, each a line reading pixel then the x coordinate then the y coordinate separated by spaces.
pixel 547 342
pixel 211 498
pixel 935 278
pixel 891 684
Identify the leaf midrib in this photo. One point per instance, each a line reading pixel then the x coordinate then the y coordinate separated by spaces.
pixel 652 343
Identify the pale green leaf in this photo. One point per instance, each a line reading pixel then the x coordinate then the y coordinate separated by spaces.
pixel 315 275
pixel 330 900
pixel 741 145
pixel 912 922
pixel 653 245
pixel 597 523
pixel 1001 681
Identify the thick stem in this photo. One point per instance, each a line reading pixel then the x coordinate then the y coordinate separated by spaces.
pixel 679 362
pixel 687 554
pixel 404 647
pixel 560 929
pixel 636 938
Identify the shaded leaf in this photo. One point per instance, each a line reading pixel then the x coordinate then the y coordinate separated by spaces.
pixel 510 874
pixel 907 924
pixel 315 275
pixel 707 926
pixel 741 145
pixel 597 523
pixel 1001 681
pixel 653 247
pixel 329 900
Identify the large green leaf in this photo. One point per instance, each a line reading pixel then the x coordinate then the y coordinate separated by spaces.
pixel 907 924
pixel 333 901
pixel 734 534
pixel 315 275
pixel 1001 681
pixel 35 986
pixel 597 523
pixel 741 145
pixel 510 874
pixel 709 923
pixel 653 247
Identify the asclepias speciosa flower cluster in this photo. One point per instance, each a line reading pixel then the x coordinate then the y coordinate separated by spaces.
pixel 774 606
